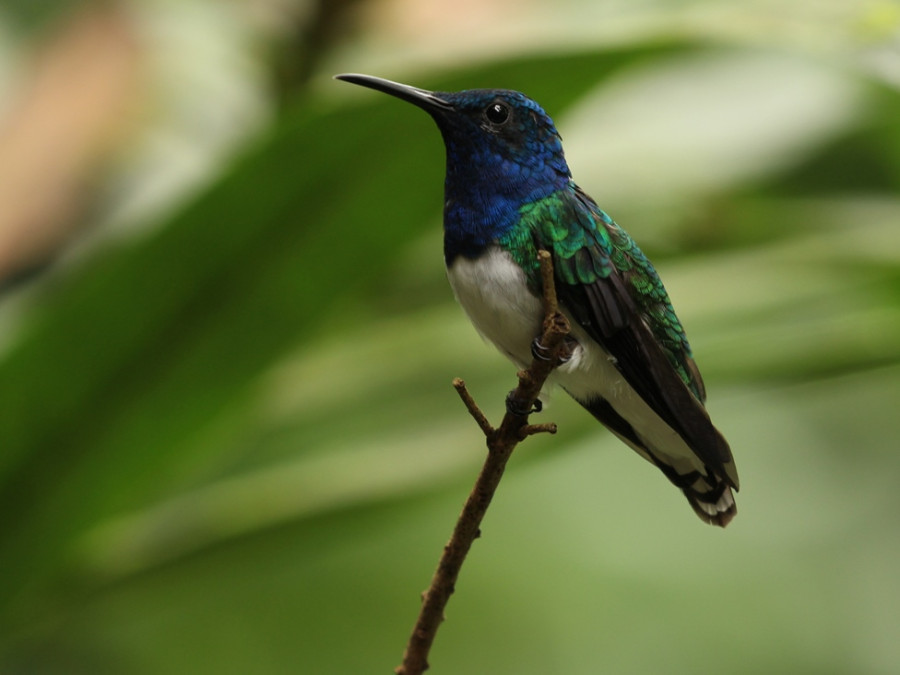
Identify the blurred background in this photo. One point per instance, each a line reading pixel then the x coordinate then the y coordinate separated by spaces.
pixel 228 441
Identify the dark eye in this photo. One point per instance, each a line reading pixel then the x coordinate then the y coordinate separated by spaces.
pixel 497 112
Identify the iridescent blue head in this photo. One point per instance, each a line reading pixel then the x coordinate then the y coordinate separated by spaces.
pixel 503 152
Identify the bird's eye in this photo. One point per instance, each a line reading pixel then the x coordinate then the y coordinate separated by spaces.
pixel 497 112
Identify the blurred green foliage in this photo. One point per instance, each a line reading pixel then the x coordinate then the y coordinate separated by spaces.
pixel 231 445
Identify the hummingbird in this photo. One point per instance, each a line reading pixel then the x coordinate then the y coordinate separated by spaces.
pixel 509 193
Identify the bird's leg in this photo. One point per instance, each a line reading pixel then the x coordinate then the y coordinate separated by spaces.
pixel 541 353
pixel 518 407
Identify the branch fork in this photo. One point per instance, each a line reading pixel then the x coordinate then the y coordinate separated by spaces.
pixel 555 349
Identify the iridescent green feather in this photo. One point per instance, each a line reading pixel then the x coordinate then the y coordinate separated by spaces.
pixel 587 247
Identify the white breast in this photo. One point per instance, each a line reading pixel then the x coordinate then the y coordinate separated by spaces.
pixel 493 292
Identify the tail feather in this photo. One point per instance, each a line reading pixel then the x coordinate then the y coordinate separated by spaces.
pixel 708 491
pixel 714 511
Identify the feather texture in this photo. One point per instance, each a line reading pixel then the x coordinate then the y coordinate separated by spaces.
pixel 508 192
pixel 614 295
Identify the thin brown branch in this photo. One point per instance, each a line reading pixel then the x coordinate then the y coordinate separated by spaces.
pixel 551 305
pixel 472 407
pixel 501 442
pixel 532 429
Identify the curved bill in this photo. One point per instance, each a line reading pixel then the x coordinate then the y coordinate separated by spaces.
pixel 420 97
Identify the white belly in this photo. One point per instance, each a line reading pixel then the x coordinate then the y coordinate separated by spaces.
pixel 493 292
pixel 494 295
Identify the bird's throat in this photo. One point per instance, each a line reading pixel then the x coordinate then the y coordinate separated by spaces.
pixel 479 213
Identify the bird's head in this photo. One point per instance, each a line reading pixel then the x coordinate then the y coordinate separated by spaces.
pixel 497 139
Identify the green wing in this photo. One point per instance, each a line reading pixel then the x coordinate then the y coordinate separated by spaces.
pixel 590 249
pixel 608 286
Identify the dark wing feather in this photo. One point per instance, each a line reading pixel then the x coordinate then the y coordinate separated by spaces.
pixel 613 292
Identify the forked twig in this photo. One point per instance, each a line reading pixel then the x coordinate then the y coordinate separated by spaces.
pixel 501 442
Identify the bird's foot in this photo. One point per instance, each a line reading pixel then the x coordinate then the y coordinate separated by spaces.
pixel 520 408
pixel 541 353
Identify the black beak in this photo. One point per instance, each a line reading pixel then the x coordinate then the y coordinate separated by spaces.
pixel 420 97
